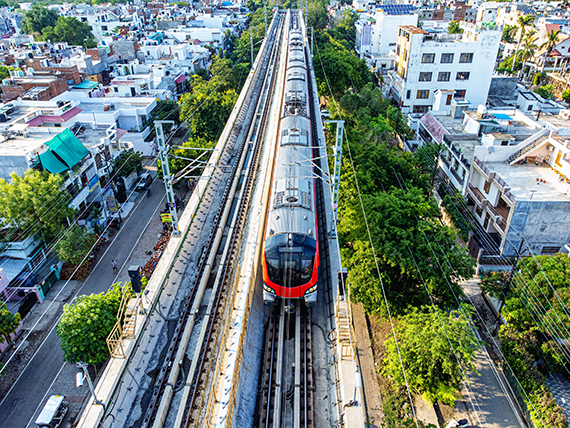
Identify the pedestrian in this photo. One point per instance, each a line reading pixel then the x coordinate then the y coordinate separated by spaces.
pixel 114 264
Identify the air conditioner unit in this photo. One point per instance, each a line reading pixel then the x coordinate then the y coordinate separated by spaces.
pixel 565 113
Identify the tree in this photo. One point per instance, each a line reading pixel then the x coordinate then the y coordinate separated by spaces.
pixel 9 322
pixel 495 284
pixel 127 162
pixel 207 107
pixel 75 245
pixel 38 18
pixel 35 203
pixel 317 14
pixel 509 33
pixel 546 91
pixel 70 30
pixel 454 28
pixel 437 349
pixel 566 95
pixel 529 48
pixel 523 22
pixel 549 45
pixel 85 324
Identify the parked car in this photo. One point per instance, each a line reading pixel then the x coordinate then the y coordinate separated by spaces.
pixel 145 180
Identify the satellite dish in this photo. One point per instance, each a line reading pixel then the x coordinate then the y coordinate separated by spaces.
pixel 491 149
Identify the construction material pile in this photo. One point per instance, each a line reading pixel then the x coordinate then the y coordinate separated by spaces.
pixel 150 265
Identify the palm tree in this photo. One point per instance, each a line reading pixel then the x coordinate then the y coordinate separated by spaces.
pixel 551 42
pixel 524 22
pixel 529 48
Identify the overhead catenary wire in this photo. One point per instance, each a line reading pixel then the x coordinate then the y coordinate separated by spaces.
pixel 373 252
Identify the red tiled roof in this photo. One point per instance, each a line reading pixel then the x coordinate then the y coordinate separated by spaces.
pixel 433 126
pixel 38 120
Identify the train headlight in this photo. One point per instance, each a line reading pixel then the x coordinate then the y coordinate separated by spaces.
pixel 268 289
pixel 312 289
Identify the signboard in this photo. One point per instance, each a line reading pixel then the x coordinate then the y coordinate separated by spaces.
pixel 166 218
pixel 111 203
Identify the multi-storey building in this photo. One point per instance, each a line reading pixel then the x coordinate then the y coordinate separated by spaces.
pixel 377 33
pixel 428 62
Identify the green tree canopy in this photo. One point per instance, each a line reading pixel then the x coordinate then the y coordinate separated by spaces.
pixel 85 324
pixel 38 18
pixel 208 106
pixel 35 203
pixel 437 348
pixel 9 322
pixel 127 162
pixel 75 245
pixel 68 29
pixel 454 28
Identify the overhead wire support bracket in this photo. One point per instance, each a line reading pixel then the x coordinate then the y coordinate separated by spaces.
pixel 163 154
pixel 338 157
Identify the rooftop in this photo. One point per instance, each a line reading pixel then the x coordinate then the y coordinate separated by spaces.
pixel 522 180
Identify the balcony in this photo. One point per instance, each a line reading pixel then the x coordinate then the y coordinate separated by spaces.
pixel 476 194
pixel 481 167
pixel 498 219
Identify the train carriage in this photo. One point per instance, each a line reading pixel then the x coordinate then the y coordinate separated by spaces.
pixel 290 256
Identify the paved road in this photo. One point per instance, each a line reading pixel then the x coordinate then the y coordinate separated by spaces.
pixel 20 407
pixel 496 407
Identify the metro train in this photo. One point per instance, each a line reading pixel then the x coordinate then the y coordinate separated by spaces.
pixel 290 255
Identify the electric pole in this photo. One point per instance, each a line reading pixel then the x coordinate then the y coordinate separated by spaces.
pixel 251 43
pixel 511 276
pixel 163 154
pixel 336 176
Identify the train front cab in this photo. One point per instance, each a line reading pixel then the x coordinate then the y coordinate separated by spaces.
pixel 290 259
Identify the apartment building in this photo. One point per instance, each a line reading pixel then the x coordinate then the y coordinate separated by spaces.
pixel 377 34
pixel 429 62
pixel 523 190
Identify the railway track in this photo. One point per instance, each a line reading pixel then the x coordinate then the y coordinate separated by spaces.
pixel 180 385
pixel 286 399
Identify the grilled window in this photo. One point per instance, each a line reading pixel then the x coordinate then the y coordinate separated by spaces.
pixel 462 75
pixel 466 58
pixel 446 58
pixel 425 76
pixel 443 76
pixel 428 58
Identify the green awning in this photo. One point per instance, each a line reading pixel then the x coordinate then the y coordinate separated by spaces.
pixel 86 84
pixel 63 153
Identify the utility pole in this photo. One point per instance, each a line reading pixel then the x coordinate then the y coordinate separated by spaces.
pixel 511 276
pixel 265 10
pixel 336 176
pixel 163 154
pixel 251 43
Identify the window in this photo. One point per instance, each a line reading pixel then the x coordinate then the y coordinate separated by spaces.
pixel 115 89
pixel 425 76
pixel 420 109
pixel 448 101
pixel 479 211
pixel 443 76
pixel 446 58
pixel 83 19
pixel 466 58
pixel 391 44
pixel 428 58
pixel 487 187
pixel 550 250
pixel 422 95
pixel 460 93
pixel 104 27
pixel 408 94
pixel 529 108
pixel 462 75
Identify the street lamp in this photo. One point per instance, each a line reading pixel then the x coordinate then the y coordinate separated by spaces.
pixel 79 382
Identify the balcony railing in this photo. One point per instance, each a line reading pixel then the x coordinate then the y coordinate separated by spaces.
pixel 481 166
pixel 476 193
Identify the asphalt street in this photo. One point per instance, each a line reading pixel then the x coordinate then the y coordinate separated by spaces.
pixel 23 403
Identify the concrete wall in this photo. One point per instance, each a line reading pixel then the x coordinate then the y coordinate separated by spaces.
pixel 541 223
pixel 8 164
pixel 503 86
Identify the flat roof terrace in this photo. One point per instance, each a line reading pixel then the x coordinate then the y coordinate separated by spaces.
pixel 525 184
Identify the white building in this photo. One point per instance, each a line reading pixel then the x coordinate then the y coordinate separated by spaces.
pixel 377 34
pixel 426 63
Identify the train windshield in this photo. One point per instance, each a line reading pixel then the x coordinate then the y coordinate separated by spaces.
pixel 290 261
pixel 290 270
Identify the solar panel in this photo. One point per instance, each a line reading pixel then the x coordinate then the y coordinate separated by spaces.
pixel 397 9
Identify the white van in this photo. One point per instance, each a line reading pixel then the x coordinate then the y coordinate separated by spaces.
pixel 53 412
